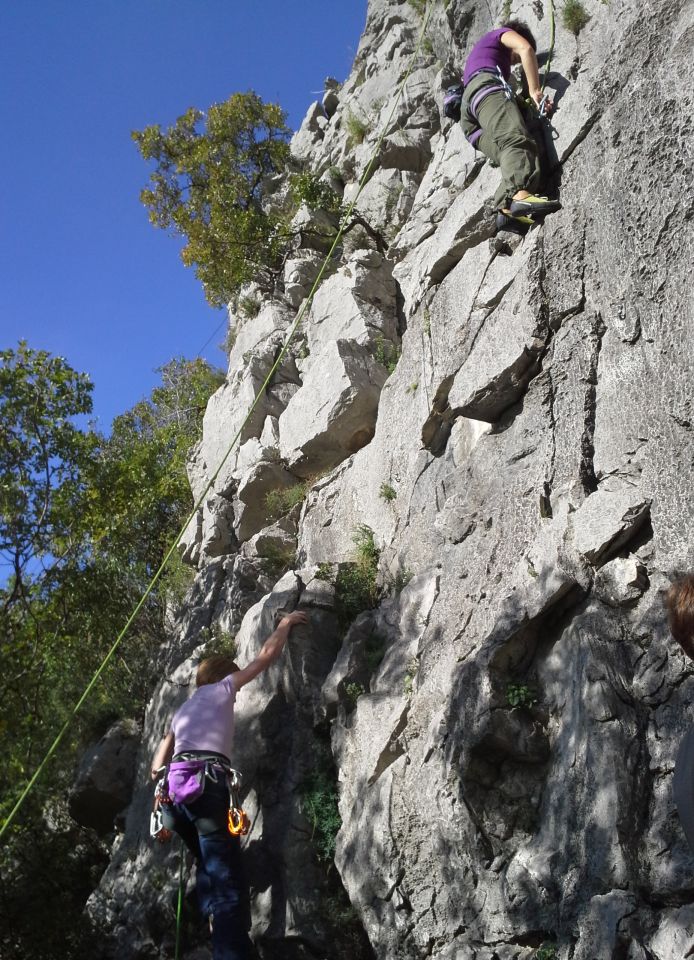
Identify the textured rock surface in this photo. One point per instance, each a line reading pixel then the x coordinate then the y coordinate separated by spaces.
pixel 526 466
pixel 104 780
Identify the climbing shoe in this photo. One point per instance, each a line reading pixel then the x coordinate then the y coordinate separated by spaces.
pixel 519 225
pixel 533 205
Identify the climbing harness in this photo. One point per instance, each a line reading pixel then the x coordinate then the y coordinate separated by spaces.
pixel 505 85
pixel 183 781
pixel 365 177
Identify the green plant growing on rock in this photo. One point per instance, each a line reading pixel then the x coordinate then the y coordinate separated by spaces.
pixel 355 583
pixel 249 306
pixel 428 47
pixel 325 572
pixel 281 501
pixel 411 673
pixel 547 951
pixel 401 579
pixel 520 695
pixel 318 801
pixel 218 641
pixel 419 5
pixel 387 492
pixel 276 560
pixel 353 691
pixel 207 186
pixel 574 16
pixel 315 193
pixel 357 128
pixel 386 353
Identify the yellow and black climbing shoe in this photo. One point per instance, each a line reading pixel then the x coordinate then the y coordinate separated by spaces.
pixel 519 225
pixel 533 205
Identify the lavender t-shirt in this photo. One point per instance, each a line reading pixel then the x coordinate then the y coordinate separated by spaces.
pixel 488 54
pixel 206 721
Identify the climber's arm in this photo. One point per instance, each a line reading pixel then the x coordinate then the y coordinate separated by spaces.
pixel 270 650
pixel 163 754
pixel 520 46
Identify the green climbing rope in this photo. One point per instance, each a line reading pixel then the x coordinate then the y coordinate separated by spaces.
pixel 179 907
pixel 280 357
pixel 550 52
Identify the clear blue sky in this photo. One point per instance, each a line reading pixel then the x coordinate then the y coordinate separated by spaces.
pixel 82 272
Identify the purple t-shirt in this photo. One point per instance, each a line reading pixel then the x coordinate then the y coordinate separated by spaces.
pixel 488 54
pixel 206 721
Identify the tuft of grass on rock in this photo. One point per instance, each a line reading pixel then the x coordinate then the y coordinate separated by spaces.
pixel 574 16
pixel 281 501
pixel 357 129
pixel 355 583
pixel 387 492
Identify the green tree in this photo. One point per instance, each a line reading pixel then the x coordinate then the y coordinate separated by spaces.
pixel 42 455
pixel 86 519
pixel 208 187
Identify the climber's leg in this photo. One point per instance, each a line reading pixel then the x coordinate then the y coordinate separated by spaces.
pixel 506 141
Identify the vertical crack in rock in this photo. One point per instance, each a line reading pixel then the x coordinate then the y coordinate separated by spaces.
pixel 586 468
pixel 394 749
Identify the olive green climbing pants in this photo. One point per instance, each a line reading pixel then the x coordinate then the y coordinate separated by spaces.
pixel 507 142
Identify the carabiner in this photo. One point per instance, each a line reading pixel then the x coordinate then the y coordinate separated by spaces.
pixel 238 822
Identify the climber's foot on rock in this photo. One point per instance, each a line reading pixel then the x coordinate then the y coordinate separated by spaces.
pixel 506 221
pixel 532 205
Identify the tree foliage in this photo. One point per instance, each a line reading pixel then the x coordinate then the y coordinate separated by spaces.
pixel 86 519
pixel 208 187
pixel 42 455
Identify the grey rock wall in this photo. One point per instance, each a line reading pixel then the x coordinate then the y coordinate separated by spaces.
pixel 503 727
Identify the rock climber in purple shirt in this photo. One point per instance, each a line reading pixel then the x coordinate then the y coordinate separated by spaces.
pixel 196 752
pixel 493 123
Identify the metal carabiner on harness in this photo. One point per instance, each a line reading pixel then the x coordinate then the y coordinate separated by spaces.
pixel 238 822
pixel 542 107
pixel 157 830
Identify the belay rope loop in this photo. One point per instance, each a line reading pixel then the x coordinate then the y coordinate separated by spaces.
pixel 280 357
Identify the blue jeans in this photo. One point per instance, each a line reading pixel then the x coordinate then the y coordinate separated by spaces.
pixel 221 887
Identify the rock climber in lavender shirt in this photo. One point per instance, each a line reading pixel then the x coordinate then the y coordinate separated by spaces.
pixel 203 728
pixel 492 120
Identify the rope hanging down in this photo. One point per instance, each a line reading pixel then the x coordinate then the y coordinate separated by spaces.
pixel 550 52
pixel 280 357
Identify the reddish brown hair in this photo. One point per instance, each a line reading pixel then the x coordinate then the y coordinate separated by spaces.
pixel 680 608
pixel 215 668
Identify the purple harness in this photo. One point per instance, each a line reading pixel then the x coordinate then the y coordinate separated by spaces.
pixel 496 85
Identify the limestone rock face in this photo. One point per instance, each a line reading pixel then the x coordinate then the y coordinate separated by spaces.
pixel 334 413
pixel 104 782
pixel 488 690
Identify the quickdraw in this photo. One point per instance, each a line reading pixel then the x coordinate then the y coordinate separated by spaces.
pixel 157 830
pixel 238 821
